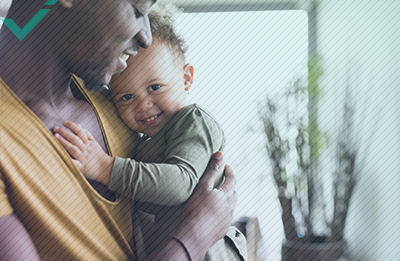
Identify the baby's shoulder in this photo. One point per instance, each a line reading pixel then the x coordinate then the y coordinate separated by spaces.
pixel 193 120
pixel 194 114
pixel 194 125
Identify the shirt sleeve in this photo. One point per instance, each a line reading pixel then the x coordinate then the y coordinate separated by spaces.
pixel 192 137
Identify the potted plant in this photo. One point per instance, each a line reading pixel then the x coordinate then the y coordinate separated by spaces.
pixel 299 188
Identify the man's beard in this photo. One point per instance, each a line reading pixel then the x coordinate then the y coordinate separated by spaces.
pixel 96 83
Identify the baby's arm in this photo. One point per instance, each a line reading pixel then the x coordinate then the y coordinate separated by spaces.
pixel 192 138
pixel 86 152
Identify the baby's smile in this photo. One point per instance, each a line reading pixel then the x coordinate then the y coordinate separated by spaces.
pixel 151 120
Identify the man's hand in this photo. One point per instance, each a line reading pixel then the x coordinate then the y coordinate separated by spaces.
pixel 212 208
pixel 86 152
pixel 206 217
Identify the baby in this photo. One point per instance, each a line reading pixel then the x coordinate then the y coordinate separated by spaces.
pixel 178 139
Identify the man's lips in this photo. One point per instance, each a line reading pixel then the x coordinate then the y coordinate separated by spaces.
pixel 150 120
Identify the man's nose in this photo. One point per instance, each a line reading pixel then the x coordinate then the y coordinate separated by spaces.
pixel 144 35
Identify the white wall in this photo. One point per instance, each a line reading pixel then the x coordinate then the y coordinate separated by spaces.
pixel 360 44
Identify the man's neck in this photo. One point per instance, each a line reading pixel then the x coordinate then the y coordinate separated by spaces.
pixel 32 72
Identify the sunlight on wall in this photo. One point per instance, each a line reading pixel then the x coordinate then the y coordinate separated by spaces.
pixel 239 58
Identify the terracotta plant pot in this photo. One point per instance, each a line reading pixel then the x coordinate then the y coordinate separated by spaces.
pixel 304 251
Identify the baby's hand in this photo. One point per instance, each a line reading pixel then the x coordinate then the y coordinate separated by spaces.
pixel 86 152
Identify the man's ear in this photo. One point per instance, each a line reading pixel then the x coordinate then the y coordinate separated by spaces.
pixel 66 3
pixel 188 72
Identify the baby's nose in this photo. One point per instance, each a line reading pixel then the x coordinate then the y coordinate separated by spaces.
pixel 144 105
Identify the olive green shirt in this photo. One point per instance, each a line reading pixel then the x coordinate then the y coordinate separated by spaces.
pixel 167 167
pixel 162 176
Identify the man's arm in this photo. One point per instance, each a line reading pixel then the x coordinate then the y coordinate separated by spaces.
pixel 206 216
pixel 15 242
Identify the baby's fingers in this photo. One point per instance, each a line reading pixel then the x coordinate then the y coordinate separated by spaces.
pixel 79 131
pixel 73 150
pixel 78 164
pixel 70 137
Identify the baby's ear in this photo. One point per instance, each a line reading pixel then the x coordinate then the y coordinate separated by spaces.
pixel 66 3
pixel 188 72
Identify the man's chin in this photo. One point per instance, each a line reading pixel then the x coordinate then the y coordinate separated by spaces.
pixel 97 83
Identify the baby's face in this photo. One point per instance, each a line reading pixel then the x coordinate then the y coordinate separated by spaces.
pixel 151 90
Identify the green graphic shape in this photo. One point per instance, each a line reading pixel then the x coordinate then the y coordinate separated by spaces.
pixel 21 33
pixel 51 2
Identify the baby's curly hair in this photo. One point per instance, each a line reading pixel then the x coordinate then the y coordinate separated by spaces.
pixel 162 20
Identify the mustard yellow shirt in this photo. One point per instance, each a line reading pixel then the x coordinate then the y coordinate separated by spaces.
pixel 65 217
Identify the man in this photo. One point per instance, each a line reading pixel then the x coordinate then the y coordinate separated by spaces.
pixel 47 209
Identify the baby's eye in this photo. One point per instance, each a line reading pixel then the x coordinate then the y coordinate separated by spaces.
pixel 126 97
pixel 154 87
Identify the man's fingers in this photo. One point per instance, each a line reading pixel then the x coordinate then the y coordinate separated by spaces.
pixel 212 171
pixel 78 130
pixel 234 199
pixel 230 181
